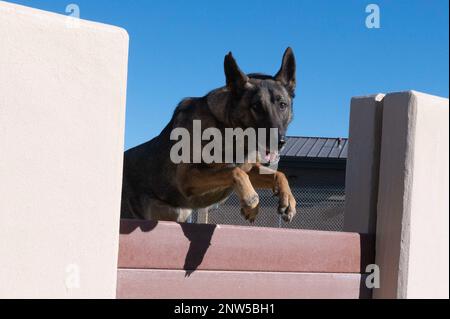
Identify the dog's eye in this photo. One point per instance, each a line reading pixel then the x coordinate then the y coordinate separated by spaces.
pixel 283 106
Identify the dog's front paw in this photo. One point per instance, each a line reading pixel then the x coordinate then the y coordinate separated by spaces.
pixel 287 206
pixel 250 213
pixel 251 201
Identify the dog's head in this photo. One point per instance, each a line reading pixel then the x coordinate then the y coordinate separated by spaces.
pixel 262 101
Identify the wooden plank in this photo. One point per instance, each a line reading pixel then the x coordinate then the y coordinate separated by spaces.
pixel 173 284
pixel 165 245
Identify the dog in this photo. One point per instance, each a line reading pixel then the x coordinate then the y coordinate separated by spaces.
pixel 156 188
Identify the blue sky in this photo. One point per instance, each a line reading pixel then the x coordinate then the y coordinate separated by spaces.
pixel 177 50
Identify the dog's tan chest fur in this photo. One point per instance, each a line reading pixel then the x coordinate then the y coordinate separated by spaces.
pixel 210 198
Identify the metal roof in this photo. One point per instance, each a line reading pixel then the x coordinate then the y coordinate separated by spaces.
pixel 316 147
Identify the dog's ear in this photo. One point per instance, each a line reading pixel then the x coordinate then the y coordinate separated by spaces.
pixel 236 79
pixel 286 75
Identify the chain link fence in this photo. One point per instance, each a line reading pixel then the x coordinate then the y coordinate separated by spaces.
pixel 319 208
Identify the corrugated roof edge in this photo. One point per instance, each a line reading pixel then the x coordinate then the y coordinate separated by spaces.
pixel 336 151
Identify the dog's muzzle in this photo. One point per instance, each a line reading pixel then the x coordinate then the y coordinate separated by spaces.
pixel 272 159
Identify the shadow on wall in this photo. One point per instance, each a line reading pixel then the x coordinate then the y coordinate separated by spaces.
pixel 199 240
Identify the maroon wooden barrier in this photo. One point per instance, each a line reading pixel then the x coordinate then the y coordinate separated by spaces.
pixel 169 260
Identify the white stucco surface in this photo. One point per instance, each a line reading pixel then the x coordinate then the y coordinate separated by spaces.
pixel 428 264
pixel 412 248
pixel 361 181
pixel 62 109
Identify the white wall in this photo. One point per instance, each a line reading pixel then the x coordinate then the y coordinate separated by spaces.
pixel 361 181
pixel 62 109
pixel 428 265
pixel 412 235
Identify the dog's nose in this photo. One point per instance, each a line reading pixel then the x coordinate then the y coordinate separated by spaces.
pixel 282 141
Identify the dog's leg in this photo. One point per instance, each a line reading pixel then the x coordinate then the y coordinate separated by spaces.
pixel 199 181
pixel 247 194
pixel 263 177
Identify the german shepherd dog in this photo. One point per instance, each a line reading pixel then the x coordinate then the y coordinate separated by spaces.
pixel 155 188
